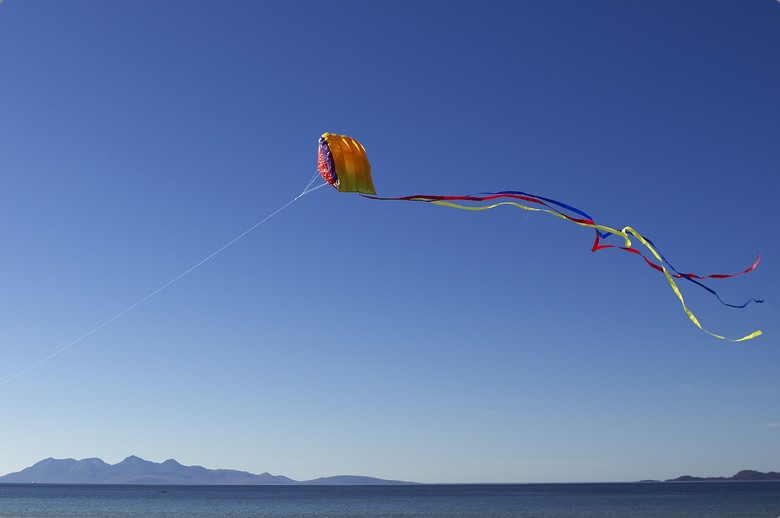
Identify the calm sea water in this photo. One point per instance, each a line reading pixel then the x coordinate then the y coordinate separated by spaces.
pixel 694 499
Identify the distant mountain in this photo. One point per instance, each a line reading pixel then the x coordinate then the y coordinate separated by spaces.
pixel 747 474
pixel 135 470
pixel 353 480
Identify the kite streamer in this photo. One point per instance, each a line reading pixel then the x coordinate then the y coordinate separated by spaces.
pixel 342 162
pixel 601 231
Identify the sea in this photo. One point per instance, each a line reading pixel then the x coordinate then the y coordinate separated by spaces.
pixel 602 500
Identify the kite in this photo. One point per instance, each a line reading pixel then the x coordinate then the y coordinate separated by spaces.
pixel 343 163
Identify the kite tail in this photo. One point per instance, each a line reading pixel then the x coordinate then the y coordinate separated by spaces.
pixel 677 292
pixel 549 206
pixel 586 220
pixel 692 277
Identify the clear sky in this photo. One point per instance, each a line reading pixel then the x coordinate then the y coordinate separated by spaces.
pixel 397 340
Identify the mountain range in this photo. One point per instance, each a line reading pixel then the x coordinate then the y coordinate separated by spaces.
pixel 745 474
pixel 135 470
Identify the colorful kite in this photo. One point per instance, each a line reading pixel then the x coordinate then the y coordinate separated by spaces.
pixel 343 163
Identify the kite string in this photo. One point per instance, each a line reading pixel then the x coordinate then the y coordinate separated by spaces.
pixel 305 191
pixel 311 181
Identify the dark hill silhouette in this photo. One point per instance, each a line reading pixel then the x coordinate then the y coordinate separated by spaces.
pixel 744 475
pixel 135 470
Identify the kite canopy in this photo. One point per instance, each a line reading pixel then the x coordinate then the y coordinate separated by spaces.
pixel 343 163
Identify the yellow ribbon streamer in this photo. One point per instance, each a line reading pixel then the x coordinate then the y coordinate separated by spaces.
pixel 622 233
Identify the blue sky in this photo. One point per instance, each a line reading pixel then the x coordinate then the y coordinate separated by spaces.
pixel 397 340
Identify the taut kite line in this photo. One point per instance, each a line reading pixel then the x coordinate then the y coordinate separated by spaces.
pixel 343 163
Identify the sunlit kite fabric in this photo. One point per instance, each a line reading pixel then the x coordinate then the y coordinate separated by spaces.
pixel 486 201
pixel 343 163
